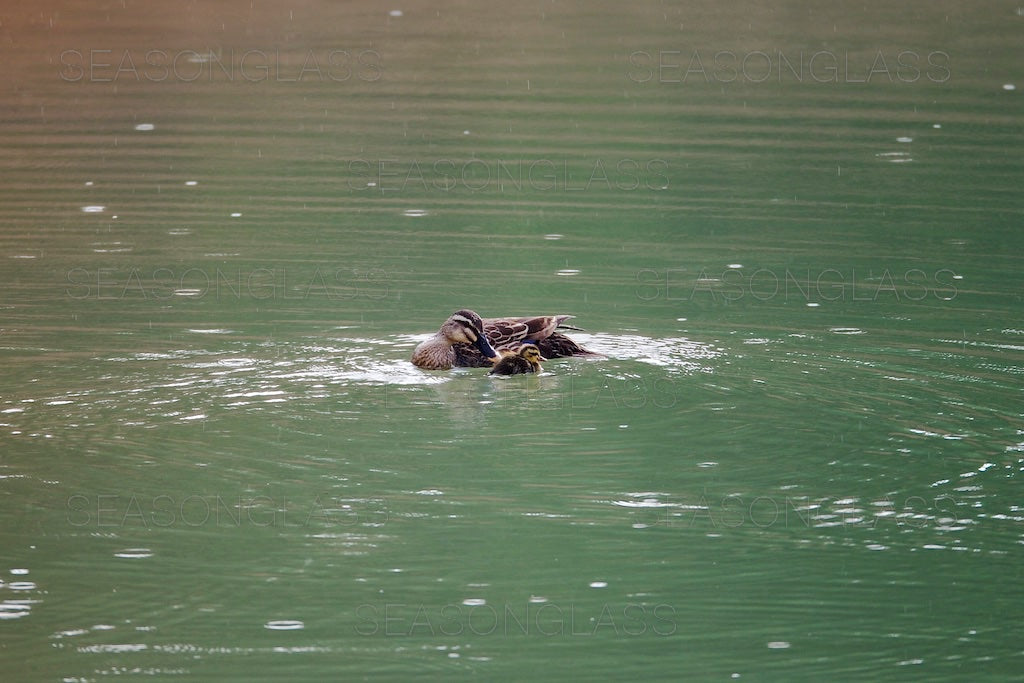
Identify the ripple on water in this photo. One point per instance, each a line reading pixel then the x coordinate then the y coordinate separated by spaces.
pixel 284 625
pixel 643 500
pixel 895 157
pixel 671 352
pixel 242 375
pixel 15 609
pixel 111 248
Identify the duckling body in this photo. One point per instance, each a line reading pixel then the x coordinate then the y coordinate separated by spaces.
pixel 524 361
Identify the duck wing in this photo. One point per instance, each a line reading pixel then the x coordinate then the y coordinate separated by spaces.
pixel 510 332
pixel 505 333
pixel 560 346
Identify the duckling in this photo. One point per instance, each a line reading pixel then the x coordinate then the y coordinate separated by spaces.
pixel 526 360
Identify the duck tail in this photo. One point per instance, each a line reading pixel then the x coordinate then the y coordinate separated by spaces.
pixel 560 323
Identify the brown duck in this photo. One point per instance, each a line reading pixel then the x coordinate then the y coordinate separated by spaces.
pixel 467 340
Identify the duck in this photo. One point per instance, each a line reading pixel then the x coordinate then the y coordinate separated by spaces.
pixel 469 341
pixel 524 361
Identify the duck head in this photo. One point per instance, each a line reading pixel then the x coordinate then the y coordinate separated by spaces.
pixel 466 327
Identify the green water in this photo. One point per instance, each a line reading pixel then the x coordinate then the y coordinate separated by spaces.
pixel 794 233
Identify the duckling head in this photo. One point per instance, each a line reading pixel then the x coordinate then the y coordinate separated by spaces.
pixel 531 354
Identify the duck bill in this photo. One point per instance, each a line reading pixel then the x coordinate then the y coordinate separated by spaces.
pixel 485 347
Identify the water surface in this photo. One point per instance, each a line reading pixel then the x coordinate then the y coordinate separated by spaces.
pixel 224 231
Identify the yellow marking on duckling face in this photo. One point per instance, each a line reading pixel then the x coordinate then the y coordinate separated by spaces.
pixel 531 353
